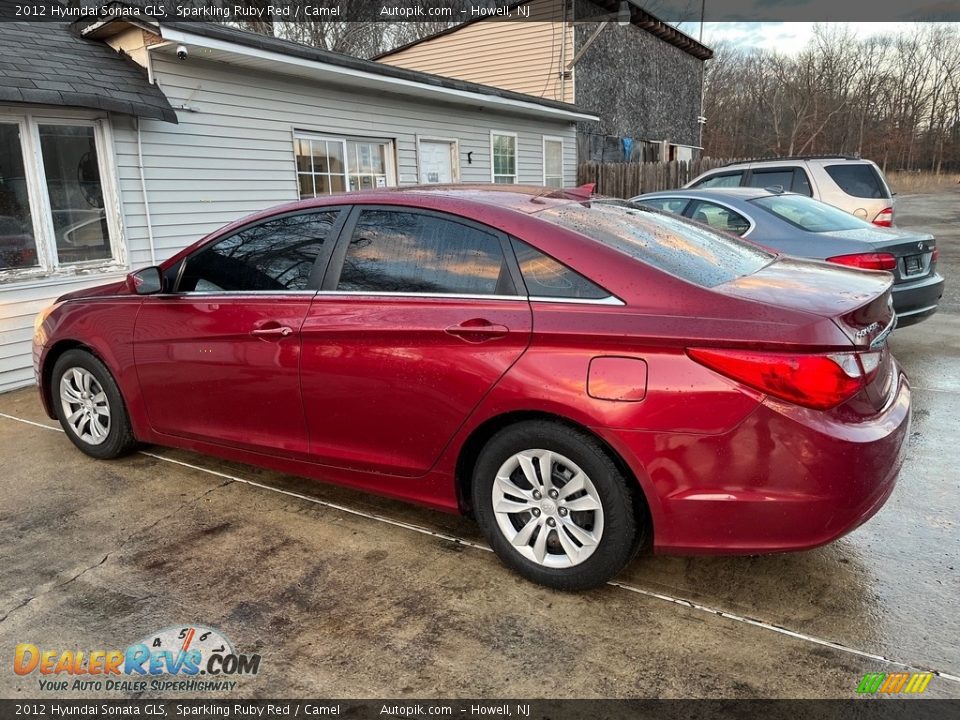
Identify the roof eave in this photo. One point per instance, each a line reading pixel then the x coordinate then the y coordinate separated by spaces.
pixel 337 73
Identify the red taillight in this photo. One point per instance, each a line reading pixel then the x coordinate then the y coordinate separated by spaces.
pixel 819 381
pixel 866 261
pixel 884 218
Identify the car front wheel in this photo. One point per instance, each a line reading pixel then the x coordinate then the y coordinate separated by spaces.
pixel 554 506
pixel 89 406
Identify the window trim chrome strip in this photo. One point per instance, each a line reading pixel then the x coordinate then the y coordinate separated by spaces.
pixel 609 300
pixel 398 294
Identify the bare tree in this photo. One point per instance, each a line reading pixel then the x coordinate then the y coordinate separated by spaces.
pixel 892 98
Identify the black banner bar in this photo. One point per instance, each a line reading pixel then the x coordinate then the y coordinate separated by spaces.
pixel 688 12
pixel 859 708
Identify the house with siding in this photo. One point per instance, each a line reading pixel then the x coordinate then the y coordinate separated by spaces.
pixel 115 153
pixel 640 76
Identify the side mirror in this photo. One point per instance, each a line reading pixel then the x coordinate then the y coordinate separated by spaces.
pixel 148 281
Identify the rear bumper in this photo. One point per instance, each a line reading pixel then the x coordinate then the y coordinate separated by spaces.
pixel 785 479
pixel 917 300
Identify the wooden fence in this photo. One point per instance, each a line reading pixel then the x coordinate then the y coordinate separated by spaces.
pixel 627 179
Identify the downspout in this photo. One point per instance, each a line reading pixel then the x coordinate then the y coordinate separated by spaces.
pixel 146 201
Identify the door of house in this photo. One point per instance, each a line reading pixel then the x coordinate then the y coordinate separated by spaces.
pixel 436 161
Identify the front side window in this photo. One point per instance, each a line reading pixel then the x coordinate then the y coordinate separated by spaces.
pixel 548 278
pixel 504 152
pixel 686 250
pixel 719 217
pixel 327 165
pixel 270 256
pixel 553 162
pixel 407 252
pixel 721 180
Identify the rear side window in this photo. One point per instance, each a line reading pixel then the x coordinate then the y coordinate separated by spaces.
pixel 687 250
pixel 730 179
pixel 781 179
pixel 546 277
pixel 406 252
pixel 274 255
pixel 810 215
pixel 859 180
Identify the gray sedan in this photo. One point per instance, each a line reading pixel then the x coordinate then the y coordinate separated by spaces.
pixel 797 225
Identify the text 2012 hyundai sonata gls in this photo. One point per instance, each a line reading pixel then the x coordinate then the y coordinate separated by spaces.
pixel 582 375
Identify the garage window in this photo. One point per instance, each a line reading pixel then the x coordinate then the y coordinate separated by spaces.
pixel 52 197
pixel 327 165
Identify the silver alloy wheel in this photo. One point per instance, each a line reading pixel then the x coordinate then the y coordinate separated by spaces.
pixel 85 405
pixel 548 508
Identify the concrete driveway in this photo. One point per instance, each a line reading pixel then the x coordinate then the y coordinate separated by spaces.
pixel 346 595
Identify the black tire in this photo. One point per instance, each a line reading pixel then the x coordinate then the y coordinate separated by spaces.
pixel 623 526
pixel 119 438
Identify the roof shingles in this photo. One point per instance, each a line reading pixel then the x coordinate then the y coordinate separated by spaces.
pixel 46 63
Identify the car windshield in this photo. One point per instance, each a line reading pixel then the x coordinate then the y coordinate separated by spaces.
pixel 810 215
pixel 677 246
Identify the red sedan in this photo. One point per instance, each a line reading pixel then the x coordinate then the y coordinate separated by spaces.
pixel 583 376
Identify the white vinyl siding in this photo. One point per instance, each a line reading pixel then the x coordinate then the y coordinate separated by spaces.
pixel 233 154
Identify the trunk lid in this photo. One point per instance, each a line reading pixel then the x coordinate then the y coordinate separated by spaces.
pixel 859 302
pixel 856 300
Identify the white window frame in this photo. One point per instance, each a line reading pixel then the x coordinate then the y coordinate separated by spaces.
pixel 516 156
pixel 454 155
pixel 390 155
pixel 554 139
pixel 49 265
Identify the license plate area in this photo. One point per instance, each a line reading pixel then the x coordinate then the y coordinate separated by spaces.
pixel 913 264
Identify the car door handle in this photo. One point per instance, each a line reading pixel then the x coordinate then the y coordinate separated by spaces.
pixel 281 330
pixel 477 330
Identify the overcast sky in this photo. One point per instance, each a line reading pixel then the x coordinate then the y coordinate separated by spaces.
pixel 787 37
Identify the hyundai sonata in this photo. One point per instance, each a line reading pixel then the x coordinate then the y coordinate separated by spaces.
pixel 584 376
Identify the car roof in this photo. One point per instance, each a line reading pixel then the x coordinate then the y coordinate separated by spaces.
pixel 737 193
pixel 822 159
pixel 529 199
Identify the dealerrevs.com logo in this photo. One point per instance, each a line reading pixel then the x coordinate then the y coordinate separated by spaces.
pixel 190 658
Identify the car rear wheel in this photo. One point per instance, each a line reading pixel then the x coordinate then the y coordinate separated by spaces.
pixel 554 506
pixel 89 406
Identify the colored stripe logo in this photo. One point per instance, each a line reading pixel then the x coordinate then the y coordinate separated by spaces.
pixel 893 683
